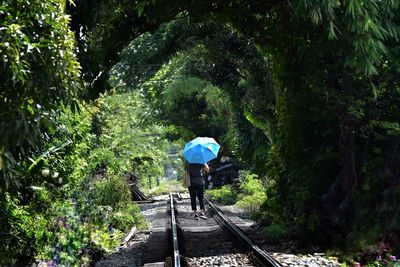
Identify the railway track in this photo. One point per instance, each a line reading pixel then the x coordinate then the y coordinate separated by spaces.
pixel 180 240
pixel 216 241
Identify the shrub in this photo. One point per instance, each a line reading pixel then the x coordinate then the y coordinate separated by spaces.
pixel 250 183
pixel 111 192
pixel 252 203
pixel 126 216
pixel 223 195
pixel 22 233
pixel 252 194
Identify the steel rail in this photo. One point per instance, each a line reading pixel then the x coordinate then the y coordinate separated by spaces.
pixel 177 259
pixel 263 256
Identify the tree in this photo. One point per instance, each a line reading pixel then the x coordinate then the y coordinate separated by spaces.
pixel 325 58
pixel 217 56
pixel 39 74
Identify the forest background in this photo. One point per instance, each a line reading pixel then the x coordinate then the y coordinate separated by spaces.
pixel 95 93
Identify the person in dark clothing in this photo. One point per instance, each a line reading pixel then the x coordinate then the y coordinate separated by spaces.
pixel 196 188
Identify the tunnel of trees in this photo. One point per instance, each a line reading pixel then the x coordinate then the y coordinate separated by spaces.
pixel 305 93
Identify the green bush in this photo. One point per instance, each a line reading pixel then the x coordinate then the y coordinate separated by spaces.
pixel 250 183
pixel 223 195
pixel 126 216
pixel 73 203
pixel 252 194
pixel 111 191
pixel 252 203
pixel 102 160
pixel 22 233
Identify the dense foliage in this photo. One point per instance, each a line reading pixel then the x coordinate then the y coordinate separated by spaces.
pixel 332 115
pixel 39 73
pixel 212 60
pixel 76 202
pixel 305 93
pixel 333 125
pixel 248 194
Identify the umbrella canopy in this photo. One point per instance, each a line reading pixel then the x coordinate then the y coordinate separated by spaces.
pixel 201 150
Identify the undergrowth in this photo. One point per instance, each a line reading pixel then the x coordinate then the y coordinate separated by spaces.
pixel 74 202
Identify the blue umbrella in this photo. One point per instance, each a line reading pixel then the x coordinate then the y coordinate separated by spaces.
pixel 201 150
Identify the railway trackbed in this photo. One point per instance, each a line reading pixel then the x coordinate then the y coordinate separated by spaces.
pixel 215 241
pixel 220 240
